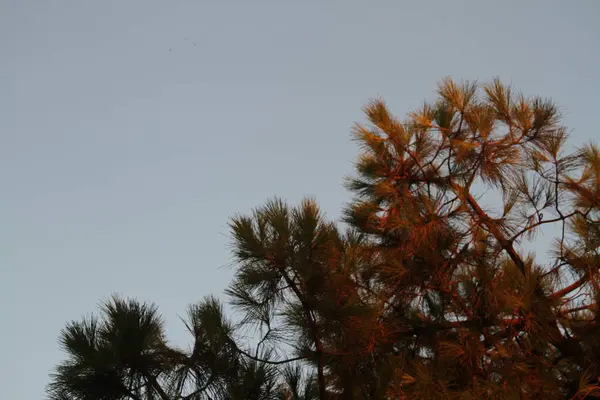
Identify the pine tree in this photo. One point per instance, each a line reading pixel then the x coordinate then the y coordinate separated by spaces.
pixel 471 314
pixel 428 290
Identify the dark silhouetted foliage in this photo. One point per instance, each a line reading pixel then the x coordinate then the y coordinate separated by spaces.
pixel 429 289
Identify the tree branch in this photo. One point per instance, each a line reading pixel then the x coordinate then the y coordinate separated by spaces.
pixel 569 289
pixel 156 386
pixel 566 346
pixel 312 322
pixel 250 356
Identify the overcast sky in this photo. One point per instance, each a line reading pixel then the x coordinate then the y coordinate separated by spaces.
pixel 131 131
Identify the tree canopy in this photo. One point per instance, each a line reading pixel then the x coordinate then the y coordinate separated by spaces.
pixel 427 289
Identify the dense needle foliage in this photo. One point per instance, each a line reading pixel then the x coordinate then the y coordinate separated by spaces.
pixel 428 290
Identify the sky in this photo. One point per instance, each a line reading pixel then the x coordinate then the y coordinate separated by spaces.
pixel 132 130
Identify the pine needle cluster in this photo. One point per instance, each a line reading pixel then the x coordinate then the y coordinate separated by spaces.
pixel 425 291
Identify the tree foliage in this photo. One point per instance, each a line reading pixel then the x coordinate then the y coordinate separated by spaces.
pixel 426 290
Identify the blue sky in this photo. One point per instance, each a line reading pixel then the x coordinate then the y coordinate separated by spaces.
pixel 131 131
